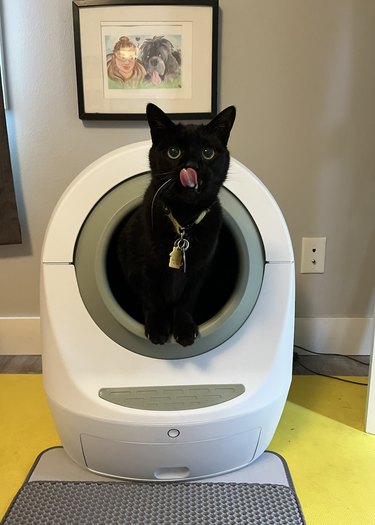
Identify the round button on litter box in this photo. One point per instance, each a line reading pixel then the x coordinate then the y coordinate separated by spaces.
pixel 173 433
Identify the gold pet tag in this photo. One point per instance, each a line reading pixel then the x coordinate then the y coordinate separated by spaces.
pixel 175 258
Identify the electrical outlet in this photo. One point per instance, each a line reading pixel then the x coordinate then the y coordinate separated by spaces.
pixel 313 254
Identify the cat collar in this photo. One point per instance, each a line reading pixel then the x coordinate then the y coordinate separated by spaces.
pixel 182 229
pixel 177 257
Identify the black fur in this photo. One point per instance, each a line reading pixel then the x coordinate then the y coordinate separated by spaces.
pixel 168 295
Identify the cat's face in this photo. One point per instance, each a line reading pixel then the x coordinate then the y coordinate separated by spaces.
pixel 194 157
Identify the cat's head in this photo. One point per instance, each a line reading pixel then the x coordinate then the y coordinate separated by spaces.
pixel 194 157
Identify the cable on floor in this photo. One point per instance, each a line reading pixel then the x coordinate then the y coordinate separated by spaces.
pixel 296 358
pixel 336 355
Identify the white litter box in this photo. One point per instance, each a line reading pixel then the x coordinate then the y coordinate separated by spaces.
pixel 127 408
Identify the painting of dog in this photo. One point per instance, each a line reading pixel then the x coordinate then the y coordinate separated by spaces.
pixel 160 59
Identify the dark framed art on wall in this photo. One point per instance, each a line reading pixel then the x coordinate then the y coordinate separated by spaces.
pixel 129 53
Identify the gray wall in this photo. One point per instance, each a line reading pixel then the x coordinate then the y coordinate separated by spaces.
pixel 303 79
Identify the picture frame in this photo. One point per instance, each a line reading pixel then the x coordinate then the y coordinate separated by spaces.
pixel 129 53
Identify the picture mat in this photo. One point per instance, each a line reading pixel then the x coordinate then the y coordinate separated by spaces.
pixel 198 18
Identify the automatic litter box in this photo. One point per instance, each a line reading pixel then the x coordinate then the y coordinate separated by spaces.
pixel 127 408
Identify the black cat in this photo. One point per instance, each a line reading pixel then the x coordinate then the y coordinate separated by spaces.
pixel 166 246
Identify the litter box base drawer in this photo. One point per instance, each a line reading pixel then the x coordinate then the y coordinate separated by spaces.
pixel 169 461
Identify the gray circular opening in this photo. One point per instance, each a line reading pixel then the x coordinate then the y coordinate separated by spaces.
pixel 240 251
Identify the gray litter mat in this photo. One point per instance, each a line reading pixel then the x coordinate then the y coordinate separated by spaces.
pixel 73 496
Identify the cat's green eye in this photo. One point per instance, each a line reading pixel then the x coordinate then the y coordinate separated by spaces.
pixel 174 152
pixel 208 153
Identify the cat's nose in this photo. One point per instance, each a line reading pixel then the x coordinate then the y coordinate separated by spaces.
pixel 192 164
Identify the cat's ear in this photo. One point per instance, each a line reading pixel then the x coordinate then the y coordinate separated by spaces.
pixel 222 124
pixel 158 122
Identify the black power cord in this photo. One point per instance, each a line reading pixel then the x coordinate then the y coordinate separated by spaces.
pixel 296 358
pixel 336 355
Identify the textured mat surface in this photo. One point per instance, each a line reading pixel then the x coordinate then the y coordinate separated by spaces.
pixel 134 503
pixel 57 491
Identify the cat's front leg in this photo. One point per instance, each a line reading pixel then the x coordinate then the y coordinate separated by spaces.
pixel 185 329
pixel 157 325
pixel 155 311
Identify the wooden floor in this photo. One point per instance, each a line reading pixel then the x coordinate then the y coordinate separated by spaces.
pixel 20 364
pixel 322 364
pixel 332 365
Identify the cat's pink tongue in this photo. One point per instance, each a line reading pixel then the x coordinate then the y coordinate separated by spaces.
pixel 188 177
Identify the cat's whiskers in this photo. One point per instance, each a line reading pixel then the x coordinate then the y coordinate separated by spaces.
pixel 154 197
pixel 163 174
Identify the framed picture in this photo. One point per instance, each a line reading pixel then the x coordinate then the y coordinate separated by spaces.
pixel 129 53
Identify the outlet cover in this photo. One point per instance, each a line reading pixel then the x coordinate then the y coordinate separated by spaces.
pixel 313 254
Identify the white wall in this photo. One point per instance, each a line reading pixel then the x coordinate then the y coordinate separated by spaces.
pixel 303 79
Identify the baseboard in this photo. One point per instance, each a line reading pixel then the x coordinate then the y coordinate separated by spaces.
pixel 331 335
pixel 20 336
pixel 346 336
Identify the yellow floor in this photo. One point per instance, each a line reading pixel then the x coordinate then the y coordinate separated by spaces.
pixel 321 436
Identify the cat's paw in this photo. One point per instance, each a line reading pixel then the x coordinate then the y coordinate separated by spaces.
pixel 185 331
pixel 157 332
